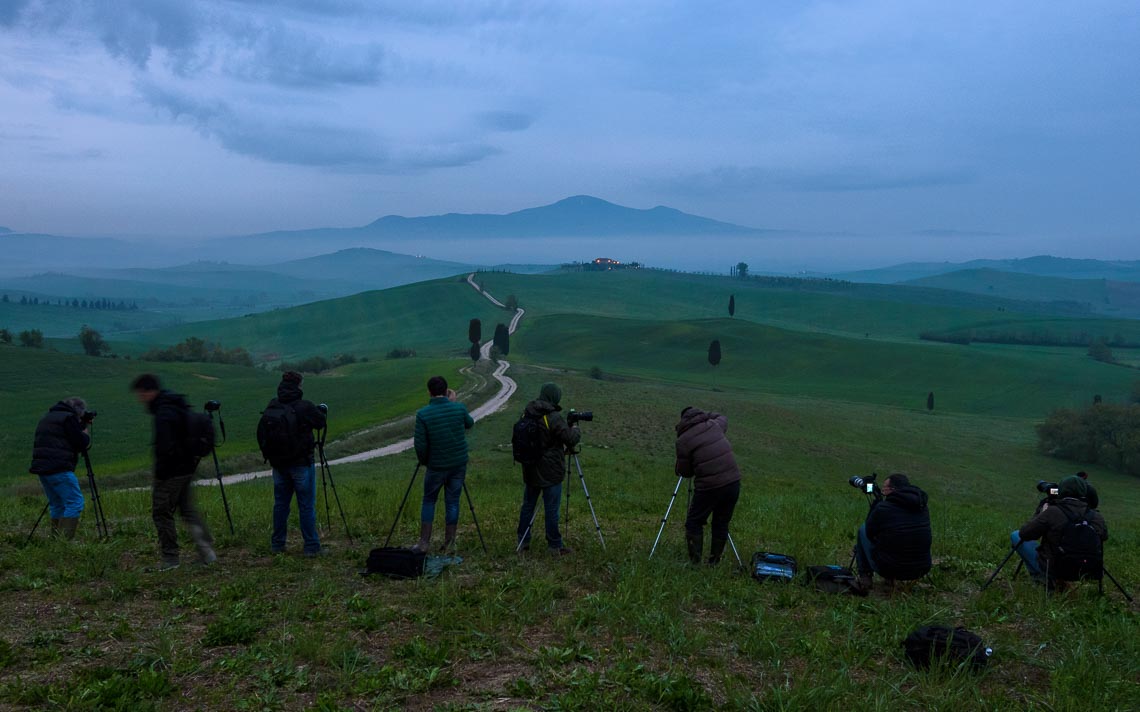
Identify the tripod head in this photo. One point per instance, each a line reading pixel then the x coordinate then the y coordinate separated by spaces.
pixel 211 407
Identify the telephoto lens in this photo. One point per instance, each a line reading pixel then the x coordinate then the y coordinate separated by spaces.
pixel 213 405
pixel 863 483
pixel 323 408
pixel 89 416
pixel 575 415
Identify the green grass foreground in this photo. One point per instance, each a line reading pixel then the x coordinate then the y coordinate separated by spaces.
pixel 81 627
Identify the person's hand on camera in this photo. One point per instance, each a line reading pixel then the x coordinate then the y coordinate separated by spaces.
pixel 451 394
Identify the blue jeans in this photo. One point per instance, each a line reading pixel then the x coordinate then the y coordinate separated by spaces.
pixel 300 480
pixel 551 503
pixel 1028 553
pixel 865 552
pixel 451 482
pixel 65 499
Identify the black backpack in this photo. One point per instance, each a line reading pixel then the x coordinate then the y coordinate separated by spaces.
pixel 934 643
pixel 834 579
pixel 526 440
pixel 278 432
pixel 395 562
pixel 199 439
pixel 1080 553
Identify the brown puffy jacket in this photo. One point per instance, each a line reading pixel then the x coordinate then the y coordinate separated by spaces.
pixel 703 452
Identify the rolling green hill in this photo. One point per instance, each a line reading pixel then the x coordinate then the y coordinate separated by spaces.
pixel 1109 298
pixel 64 322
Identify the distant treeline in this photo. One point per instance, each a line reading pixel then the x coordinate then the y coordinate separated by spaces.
pixel 1027 337
pixel 319 364
pixel 103 303
pixel 1103 433
pixel 200 351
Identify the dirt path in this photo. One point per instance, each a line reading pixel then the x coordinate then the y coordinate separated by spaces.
pixel 507 387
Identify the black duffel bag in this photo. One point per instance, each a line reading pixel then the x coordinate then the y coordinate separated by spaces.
pixel 395 562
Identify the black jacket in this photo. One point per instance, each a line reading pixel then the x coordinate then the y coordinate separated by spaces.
pixel 899 527
pixel 171 458
pixel 309 418
pixel 59 440
pixel 556 437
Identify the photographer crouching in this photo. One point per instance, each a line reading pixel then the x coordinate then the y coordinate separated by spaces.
pixel 61 436
pixel 1071 533
pixel 894 541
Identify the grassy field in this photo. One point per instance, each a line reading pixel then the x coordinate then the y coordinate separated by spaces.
pixel 606 628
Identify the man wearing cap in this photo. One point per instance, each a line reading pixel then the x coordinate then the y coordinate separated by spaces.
pixel 441 447
pixel 545 477
pixel 704 453
pixel 1047 524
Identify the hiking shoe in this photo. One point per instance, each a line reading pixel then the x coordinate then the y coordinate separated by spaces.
pixel 315 554
pixel 161 566
pixel 562 551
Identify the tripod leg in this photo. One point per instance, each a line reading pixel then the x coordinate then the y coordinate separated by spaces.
pixel 586 491
pixel 1118 586
pixel 100 517
pixel 40 519
pixel 530 526
pixel 402 503
pixel 566 526
pixel 472 508
pixel 734 551
pixel 328 470
pixel 222 487
pixel 1012 551
pixel 663 519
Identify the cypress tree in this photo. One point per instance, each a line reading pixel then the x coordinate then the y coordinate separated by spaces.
pixel 732 305
pixel 475 331
pixel 930 401
pixel 714 352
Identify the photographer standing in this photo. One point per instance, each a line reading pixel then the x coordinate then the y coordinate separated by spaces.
pixel 1047 563
pixel 174 467
pixel 704 453
pixel 61 436
pixel 895 540
pixel 441 447
pixel 545 477
pixel 285 436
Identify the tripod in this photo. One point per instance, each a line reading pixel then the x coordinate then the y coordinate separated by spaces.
pixel 214 453
pixel 665 518
pixel 1013 550
pixel 572 456
pixel 404 501
pixel 326 472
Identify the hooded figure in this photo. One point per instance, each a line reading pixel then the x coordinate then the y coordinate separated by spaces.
pixel 60 438
pixel 1049 523
pixel 895 540
pixel 704 453
pixel 545 477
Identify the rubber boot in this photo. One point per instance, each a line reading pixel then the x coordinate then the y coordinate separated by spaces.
pixel 448 537
pixel 696 543
pixel 55 527
pixel 67 527
pixel 716 550
pixel 424 543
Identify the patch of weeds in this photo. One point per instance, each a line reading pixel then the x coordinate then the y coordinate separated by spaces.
pixel 25 693
pixel 236 627
pixel 8 654
pixel 22 582
pixel 419 652
pixel 120 689
pixel 524 687
pixel 554 656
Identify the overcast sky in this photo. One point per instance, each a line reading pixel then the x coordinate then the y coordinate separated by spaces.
pixel 882 129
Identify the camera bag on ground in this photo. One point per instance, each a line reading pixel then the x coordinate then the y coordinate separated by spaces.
pixel 278 432
pixel 834 579
pixel 199 440
pixel 526 440
pixel 934 643
pixel 767 566
pixel 395 562
pixel 1080 553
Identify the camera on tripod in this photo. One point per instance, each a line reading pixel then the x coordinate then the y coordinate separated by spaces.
pixel 1049 489
pixel 88 417
pixel 212 406
pixel 866 484
pixel 575 415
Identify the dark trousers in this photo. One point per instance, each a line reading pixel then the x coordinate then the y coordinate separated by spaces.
pixel 551 504
pixel 720 503
pixel 168 496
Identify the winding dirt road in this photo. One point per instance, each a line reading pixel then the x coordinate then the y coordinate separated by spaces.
pixel 495 403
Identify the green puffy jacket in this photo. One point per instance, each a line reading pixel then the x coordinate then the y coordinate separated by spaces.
pixel 441 443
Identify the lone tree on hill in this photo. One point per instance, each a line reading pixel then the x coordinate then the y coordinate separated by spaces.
pixel 502 339
pixel 92 341
pixel 714 352
pixel 930 401
pixel 732 305
pixel 475 331
pixel 742 270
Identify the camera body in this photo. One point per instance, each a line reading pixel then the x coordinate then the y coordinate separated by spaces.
pixel 212 406
pixel 1049 489
pixel 576 415
pixel 88 417
pixel 866 484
